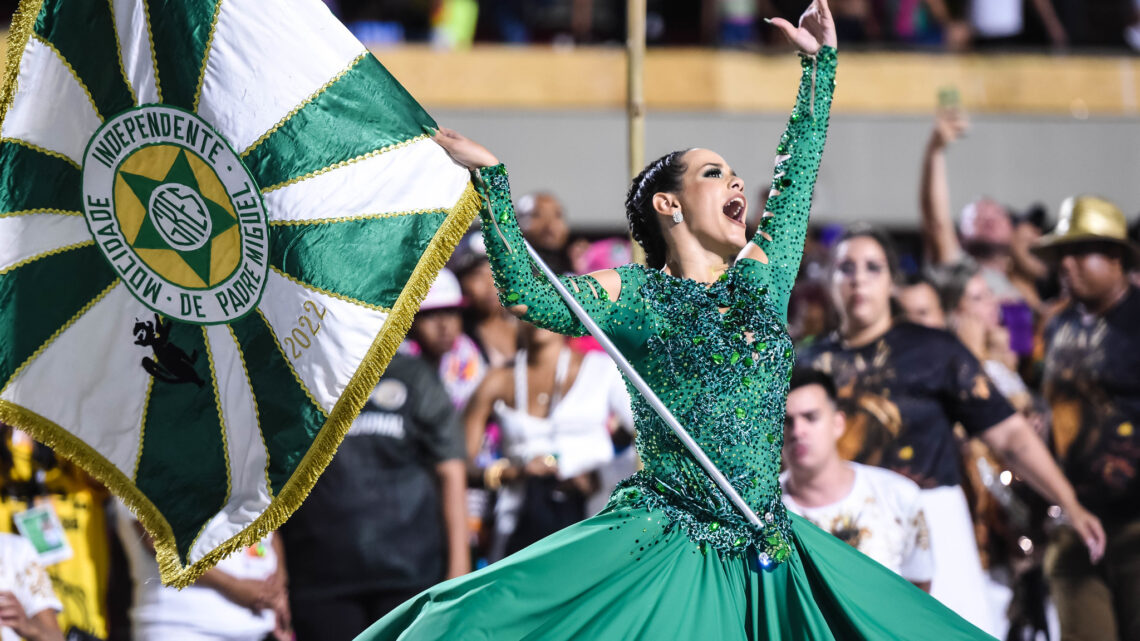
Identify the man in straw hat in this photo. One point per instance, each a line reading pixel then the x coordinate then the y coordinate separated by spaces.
pixel 1092 382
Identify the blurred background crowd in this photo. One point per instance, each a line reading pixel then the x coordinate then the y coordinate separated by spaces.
pixel 954 25
pixel 486 434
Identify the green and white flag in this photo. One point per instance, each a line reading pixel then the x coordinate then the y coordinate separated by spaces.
pixel 217 218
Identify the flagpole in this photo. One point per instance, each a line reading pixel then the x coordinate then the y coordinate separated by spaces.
pixel 694 448
pixel 635 94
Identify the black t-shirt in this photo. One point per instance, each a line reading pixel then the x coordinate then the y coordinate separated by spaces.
pixel 374 519
pixel 1092 383
pixel 903 393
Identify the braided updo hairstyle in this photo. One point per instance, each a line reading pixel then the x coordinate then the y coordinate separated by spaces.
pixel 663 174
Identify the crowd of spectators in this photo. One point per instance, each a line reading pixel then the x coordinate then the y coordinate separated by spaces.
pixel 485 434
pixel 953 25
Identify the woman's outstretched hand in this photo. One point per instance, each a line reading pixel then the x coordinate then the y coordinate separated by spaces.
pixel 463 150
pixel 817 28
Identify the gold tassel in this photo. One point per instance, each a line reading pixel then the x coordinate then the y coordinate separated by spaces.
pixel 23 21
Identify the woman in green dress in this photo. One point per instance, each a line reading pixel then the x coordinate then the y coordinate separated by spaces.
pixel 704 324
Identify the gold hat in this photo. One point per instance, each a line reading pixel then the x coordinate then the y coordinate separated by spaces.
pixel 1086 219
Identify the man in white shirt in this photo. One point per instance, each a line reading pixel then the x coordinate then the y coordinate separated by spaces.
pixel 243 598
pixel 875 510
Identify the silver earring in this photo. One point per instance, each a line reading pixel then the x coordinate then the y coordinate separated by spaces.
pixel 677 217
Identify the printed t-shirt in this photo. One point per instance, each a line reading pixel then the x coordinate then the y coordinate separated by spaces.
pixel 881 517
pixel 80 581
pixel 374 519
pixel 1092 384
pixel 902 394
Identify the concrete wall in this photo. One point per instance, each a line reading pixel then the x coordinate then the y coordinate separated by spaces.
pixel 870 169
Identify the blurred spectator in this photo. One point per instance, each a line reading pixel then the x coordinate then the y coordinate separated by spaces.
pixel 921 304
pixel 1132 31
pixel 953 24
pixel 28 607
pixel 553 406
pixel 809 311
pixel 855 21
pixel 1028 271
pixel 437 336
pixel 242 598
pixel 453 23
pixel 875 510
pixel 973 315
pixel 485 320
pixel 1092 383
pixel 35 483
pixel 388 517
pixel 587 257
pixel 985 237
pixel 1001 23
pixel 736 21
pixel 543 225
pixel 903 387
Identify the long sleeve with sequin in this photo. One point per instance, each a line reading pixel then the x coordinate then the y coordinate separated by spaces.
pixel 518 281
pixel 798 155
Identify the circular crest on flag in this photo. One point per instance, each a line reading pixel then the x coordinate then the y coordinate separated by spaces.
pixel 177 214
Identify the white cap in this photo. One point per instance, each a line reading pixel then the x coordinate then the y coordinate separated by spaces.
pixel 444 292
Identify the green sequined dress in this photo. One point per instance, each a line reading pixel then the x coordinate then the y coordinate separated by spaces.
pixel 669 557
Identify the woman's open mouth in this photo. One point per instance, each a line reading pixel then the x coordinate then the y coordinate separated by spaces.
pixel 735 209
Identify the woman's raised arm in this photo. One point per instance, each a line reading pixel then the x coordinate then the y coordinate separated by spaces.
pixel 779 241
pixel 523 291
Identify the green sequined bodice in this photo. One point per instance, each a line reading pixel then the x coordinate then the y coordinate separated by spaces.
pixel 719 358
pixel 717 354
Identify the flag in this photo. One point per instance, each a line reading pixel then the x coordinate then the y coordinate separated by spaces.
pixel 217 218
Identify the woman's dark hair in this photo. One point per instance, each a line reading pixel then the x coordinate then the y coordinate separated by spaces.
pixel 663 174
pixel 865 230
pixel 802 376
pixel 950 283
pixel 880 236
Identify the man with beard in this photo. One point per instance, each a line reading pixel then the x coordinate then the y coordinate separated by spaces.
pixel 1092 382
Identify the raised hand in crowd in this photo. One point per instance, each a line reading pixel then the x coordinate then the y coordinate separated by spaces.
pixel 939 235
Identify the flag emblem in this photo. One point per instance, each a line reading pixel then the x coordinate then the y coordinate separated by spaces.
pixel 175 212
pixel 216 224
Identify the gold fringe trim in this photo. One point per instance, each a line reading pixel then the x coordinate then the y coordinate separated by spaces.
pixel 306 101
pixel 221 414
pixel 67 445
pixel 42 150
pixel 153 55
pixel 349 219
pixel 225 439
pixel 82 85
pixel 293 370
pixel 56 334
pixel 344 163
pixel 325 292
pixel 256 409
pixel 119 48
pixel 23 22
pixel 206 54
pixel 142 428
pixel 50 252
pixel 320 452
pixel 32 212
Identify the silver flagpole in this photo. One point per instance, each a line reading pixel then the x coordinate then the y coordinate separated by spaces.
pixel 710 468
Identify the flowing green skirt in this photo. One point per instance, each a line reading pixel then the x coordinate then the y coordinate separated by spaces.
pixel 624 574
